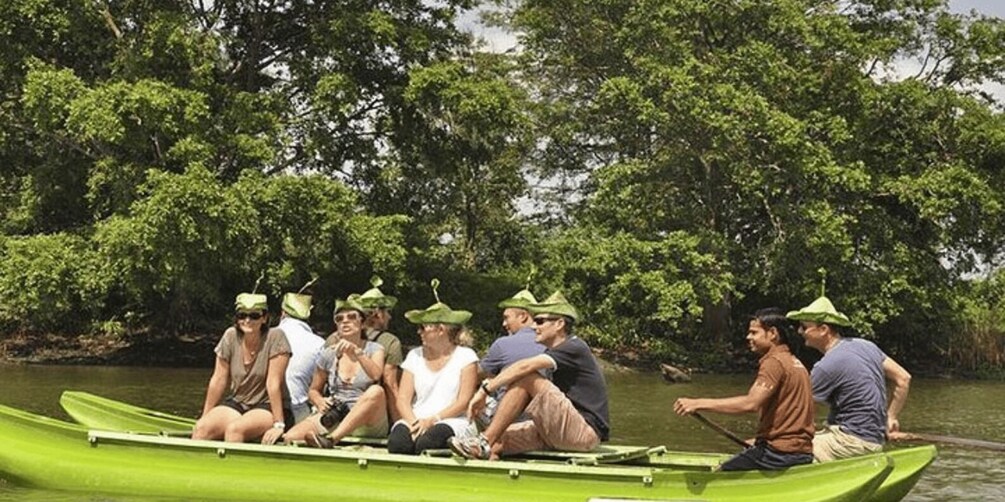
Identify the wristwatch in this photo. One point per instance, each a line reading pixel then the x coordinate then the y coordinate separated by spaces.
pixel 278 425
pixel 485 387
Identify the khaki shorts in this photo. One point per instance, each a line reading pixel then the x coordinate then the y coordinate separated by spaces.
pixel 554 424
pixel 832 443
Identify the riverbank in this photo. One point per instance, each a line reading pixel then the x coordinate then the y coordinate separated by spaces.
pixel 191 351
pixel 188 351
pixel 140 349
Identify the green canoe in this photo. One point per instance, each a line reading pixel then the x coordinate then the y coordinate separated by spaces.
pixel 50 454
pixel 102 413
pixel 97 412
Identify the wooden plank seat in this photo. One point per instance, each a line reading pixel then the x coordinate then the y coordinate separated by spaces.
pixel 601 455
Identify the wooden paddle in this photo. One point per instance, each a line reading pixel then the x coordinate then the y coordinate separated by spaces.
pixel 721 430
pixel 935 438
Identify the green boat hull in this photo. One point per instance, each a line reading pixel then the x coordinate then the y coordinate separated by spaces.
pixel 50 454
pixel 908 466
pixel 98 412
pixel 102 413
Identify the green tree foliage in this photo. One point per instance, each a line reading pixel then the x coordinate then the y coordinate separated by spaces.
pixel 979 347
pixel 460 173
pixel 192 243
pixel 50 283
pixel 97 93
pixel 768 131
pixel 164 135
pixel 704 157
pixel 643 294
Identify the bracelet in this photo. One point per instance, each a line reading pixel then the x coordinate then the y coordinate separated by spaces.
pixel 278 425
pixel 485 387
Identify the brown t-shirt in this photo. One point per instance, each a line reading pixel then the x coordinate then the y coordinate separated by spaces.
pixel 247 383
pixel 787 418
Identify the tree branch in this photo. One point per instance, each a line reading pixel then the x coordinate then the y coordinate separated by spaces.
pixel 110 22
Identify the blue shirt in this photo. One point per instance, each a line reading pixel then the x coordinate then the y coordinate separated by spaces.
pixel 509 349
pixel 850 379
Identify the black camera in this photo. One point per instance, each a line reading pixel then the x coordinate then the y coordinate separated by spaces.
pixel 335 414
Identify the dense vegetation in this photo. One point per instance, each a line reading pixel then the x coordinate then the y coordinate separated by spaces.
pixel 671 164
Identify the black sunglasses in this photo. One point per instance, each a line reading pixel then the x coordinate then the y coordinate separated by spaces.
pixel 541 320
pixel 254 316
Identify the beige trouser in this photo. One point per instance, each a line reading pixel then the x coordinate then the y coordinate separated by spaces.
pixel 832 443
pixel 554 424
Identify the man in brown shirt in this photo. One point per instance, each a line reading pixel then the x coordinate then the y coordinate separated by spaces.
pixel 781 393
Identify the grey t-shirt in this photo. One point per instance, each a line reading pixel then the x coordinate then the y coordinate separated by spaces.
pixel 850 379
pixel 347 391
pixel 247 382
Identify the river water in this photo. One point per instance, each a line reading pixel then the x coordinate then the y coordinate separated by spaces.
pixel 641 413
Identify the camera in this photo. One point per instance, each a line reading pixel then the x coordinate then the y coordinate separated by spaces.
pixel 335 413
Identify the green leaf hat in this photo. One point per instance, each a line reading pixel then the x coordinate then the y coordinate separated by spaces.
pixel 297 305
pixel 522 298
pixel 375 298
pixel 251 301
pixel 555 304
pixel 437 313
pixel 821 310
pixel 351 303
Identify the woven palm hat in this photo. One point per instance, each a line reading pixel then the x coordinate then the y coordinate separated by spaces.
pixel 438 313
pixel 555 304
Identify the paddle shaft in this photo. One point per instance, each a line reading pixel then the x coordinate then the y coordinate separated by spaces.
pixel 721 430
pixel 935 438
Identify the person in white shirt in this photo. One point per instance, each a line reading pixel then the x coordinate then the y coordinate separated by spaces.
pixel 438 379
pixel 306 346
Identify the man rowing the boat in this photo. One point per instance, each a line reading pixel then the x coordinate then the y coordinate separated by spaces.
pixel 568 412
pixel 851 379
pixel 780 394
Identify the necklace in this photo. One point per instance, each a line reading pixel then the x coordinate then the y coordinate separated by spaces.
pixel 249 352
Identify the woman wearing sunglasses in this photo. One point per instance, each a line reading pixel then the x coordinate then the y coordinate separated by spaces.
pixel 350 366
pixel 251 361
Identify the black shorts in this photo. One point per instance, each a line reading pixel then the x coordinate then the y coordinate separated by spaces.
pixel 243 408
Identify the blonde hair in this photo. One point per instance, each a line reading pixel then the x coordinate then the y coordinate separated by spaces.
pixel 460 335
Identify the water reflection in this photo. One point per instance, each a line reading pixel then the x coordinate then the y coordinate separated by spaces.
pixel 641 408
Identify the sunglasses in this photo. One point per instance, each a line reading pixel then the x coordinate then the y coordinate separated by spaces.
pixel 540 321
pixel 347 317
pixel 254 316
